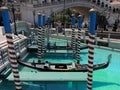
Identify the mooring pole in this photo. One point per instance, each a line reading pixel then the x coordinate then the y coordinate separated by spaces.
pixel 48 31
pixel 91 48
pixel 78 39
pixel 73 39
pixel 11 47
pixel 39 37
pixel 43 35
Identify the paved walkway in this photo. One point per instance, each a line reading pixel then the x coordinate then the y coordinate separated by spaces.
pixel 113 43
pixel 50 76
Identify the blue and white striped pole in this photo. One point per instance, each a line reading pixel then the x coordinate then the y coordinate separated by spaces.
pixel 39 37
pixel 44 19
pixel 43 34
pixel 73 35
pixel 91 48
pixel 11 47
pixel 49 21
pixel 79 38
pixel 39 20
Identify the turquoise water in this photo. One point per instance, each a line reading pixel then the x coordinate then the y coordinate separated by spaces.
pixel 104 79
pixel 108 79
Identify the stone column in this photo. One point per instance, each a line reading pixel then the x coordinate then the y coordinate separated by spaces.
pixel 48 1
pixel 39 1
pixel 73 39
pixel 31 1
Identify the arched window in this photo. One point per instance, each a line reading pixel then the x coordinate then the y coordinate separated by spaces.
pixel 114 10
pixel 109 7
pixel 98 2
pixel 106 5
pixel 93 1
pixel 102 4
pixel 117 10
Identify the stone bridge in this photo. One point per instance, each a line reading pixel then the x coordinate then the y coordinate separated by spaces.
pixel 47 9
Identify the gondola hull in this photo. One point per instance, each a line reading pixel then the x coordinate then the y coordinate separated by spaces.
pixel 64 67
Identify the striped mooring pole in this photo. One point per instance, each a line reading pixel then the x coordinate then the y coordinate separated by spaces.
pixel 39 37
pixel 11 47
pixel 43 35
pixel 79 38
pixel 91 48
pixel 48 31
pixel 73 41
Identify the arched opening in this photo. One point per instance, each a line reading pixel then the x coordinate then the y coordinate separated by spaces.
pixel 94 1
pixel 102 4
pixel 117 10
pixel 114 10
pixel 109 7
pixel 106 5
pixel 52 1
pixel 63 18
pixel 98 2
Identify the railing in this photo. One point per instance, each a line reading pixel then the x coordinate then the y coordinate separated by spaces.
pixel 70 3
pixel 59 2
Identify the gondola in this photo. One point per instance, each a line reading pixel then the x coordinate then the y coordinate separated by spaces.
pixel 63 67
pixel 68 47
pixel 57 48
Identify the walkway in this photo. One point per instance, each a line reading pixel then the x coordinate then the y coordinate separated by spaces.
pixel 112 42
pixel 50 76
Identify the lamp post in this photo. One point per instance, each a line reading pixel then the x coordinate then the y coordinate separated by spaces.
pixel 52 14
pixel 64 20
pixel 34 18
pixel 64 15
pixel 13 12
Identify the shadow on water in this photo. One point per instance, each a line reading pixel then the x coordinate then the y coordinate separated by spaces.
pixel 97 84
pixel 83 52
pixel 54 85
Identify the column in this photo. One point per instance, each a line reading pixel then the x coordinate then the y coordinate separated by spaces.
pixel 43 34
pixel 39 1
pixel 73 39
pixel 91 48
pixel 11 47
pixel 49 1
pixel 39 37
pixel 78 39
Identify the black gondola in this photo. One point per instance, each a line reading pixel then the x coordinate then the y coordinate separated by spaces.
pixel 68 47
pixel 64 67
